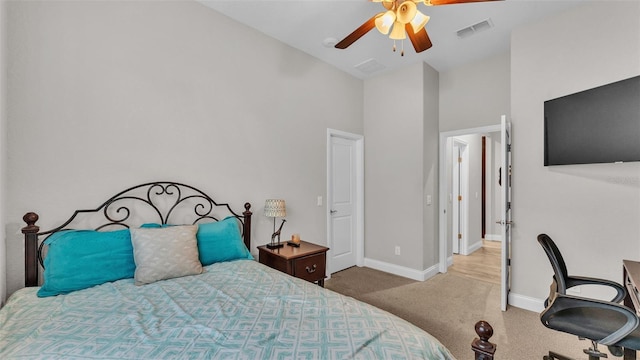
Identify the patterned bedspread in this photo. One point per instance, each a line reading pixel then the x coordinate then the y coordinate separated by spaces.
pixel 235 310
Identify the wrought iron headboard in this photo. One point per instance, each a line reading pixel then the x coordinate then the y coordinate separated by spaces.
pixel 165 200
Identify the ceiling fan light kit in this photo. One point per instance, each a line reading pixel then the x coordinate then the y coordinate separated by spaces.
pixel 401 19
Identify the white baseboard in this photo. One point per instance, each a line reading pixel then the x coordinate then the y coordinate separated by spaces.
pixel 526 302
pixel 473 247
pixel 493 237
pixel 418 275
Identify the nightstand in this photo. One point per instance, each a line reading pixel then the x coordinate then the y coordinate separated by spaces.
pixel 308 262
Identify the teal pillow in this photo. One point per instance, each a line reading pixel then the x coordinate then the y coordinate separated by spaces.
pixel 79 259
pixel 221 241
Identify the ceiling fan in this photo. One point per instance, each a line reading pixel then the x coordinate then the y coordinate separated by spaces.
pixel 403 19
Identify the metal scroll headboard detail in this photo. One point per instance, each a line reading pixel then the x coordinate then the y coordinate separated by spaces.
pixel 161 202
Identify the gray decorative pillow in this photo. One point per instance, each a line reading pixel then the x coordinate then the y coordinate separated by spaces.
pixel 165 253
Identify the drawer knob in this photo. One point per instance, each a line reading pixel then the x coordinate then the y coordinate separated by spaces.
pixel 312 269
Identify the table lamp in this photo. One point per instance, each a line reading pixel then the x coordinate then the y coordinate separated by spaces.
pixel 275 208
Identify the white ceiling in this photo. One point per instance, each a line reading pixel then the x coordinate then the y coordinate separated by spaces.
pixel 306 24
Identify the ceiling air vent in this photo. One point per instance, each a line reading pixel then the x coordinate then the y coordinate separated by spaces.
pixel 370 66
pixel 475 28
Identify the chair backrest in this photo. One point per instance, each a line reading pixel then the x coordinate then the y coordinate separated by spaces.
pixel 557 262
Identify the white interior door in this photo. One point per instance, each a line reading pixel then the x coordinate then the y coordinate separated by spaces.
pixel 460 206
pixel 505 177
pixel 343 203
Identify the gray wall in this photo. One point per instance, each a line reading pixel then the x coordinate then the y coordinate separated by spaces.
pixel 476 94
pixel 105 95
pixel 393 123
pixel 591 211
pixel 401 170
pixel 430 152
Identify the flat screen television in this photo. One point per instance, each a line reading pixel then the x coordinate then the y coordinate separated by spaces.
pixel 599 125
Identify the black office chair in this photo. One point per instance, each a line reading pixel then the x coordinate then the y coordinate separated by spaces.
pixel 602 322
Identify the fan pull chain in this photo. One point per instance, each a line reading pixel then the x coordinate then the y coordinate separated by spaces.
pixel 401 49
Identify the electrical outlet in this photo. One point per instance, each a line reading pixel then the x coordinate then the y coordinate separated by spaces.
pixel 397 250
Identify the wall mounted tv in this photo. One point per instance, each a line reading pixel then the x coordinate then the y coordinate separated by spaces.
pixel 600 125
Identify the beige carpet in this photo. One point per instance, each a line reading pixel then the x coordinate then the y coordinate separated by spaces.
pixel 448 306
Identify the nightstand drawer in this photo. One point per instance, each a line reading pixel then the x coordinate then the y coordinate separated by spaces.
pixel 310 268
pixel 276 262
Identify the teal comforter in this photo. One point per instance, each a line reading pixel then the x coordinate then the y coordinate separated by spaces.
pixel 235 310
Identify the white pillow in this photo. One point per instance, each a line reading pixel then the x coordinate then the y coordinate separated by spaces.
pixel 165 253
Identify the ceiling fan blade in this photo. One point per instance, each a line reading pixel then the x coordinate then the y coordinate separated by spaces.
pixel 420 40
pixel 449 2
pixel 358 33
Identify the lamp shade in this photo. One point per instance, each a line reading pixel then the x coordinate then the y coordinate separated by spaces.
pixel 419 21
pixel 385 21
pixel 275 208
pixel 406 12
pixel 397 32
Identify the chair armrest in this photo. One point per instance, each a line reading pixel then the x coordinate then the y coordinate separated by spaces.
pixel 621 292
pixel 563 302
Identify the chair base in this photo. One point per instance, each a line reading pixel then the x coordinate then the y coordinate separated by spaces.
pixel 555 356
pixel 593 355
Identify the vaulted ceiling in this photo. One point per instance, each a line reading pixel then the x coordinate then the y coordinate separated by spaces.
pixel 314 26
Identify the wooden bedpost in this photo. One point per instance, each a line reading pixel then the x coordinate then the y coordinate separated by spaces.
pixel 30 249
pixel 246 231
pixel 483 349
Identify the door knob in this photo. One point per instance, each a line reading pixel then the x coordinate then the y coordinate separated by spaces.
pixel 333 211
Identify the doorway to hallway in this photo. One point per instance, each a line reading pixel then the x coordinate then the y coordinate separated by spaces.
pixel 470 188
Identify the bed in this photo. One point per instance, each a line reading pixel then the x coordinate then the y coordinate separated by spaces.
pixel 141 301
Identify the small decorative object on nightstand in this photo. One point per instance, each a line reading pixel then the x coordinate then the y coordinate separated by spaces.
pixel 308 261
pixel 275 208
pixel 295 240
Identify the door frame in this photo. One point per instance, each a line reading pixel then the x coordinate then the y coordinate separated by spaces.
pixel 359 183
pixel 443 264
